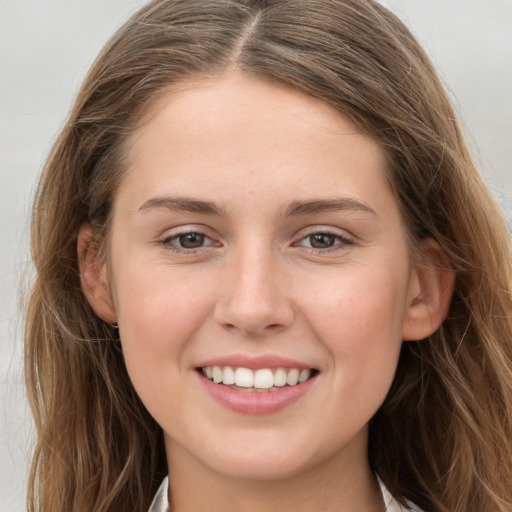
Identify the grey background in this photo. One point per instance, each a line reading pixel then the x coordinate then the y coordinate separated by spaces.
pixel 46 46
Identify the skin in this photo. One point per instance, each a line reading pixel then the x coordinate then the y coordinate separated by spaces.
pixel 257 286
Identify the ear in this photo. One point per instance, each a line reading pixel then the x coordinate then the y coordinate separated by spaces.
pixel 430 292
pixel 93 275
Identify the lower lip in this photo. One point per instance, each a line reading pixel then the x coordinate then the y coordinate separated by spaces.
pixel 254 402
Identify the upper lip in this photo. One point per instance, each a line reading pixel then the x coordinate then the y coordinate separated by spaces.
pixel 254 362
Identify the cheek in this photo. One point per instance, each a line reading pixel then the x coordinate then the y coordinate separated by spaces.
pixel 158 314
pixel 160 299
pixel 359 316
pixel 359 300
pixel 362 333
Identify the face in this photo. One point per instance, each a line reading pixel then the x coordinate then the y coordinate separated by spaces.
pixel 254 241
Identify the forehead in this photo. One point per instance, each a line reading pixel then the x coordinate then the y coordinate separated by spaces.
pixel 243 134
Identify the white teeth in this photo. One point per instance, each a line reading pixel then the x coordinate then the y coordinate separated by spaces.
pixel 261 379
pixel 244 377
pixel 304 376
pixel 292 377
pixel 280 378
pixel 217 374
pixel 229 376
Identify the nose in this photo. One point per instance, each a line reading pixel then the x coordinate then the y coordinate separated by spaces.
pixel 253 298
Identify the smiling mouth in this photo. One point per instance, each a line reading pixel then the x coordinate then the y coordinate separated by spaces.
pixel 261 380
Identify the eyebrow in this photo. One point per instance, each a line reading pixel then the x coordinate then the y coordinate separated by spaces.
pixel 296 208
pixel 183 204
pixel 322 205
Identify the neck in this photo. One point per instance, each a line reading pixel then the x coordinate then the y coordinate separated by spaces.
pixel 340 483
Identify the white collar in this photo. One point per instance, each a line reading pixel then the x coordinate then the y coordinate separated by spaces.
pixel 390 503
pixel 161 503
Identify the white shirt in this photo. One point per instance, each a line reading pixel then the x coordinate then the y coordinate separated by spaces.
pixel 161 503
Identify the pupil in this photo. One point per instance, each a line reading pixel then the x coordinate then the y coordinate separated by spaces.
pixel 322 241
pixel 191 240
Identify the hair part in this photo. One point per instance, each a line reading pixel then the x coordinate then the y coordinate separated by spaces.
pixel 442 437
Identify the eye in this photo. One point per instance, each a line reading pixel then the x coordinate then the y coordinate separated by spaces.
pixel 324 241
pixel 321 240
pixel 188 241
pixel 191 240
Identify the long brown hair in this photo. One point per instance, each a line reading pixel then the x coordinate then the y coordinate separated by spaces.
pixel 442 439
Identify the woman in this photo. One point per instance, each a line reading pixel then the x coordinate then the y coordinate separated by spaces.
pixel 267 267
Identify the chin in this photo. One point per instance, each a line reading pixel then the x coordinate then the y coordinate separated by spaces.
pixel 260 468
pixel 259 457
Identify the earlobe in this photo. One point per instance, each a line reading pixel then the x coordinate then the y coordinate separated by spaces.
pixel 93 275
pixel 431 290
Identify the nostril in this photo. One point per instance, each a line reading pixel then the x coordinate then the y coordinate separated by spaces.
pixel 252 330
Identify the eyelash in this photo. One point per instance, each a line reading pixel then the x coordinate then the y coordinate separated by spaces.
pixel 168 242
pixel 342 241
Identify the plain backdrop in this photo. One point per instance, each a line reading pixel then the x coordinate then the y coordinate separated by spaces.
pixel 46 46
